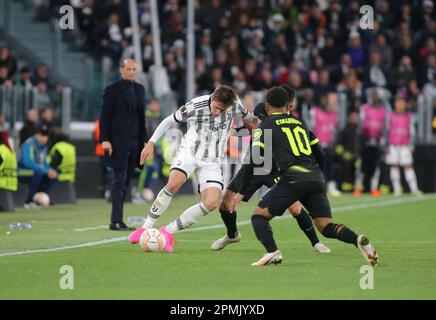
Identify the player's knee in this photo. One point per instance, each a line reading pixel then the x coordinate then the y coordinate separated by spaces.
pixel 257 219
pixel 224 207
pixel 173 187
pixel 295 209
pixel 210 204
pixel 225 203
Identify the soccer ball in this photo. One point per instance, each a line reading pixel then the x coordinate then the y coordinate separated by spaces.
pixel 152 240
pixel 42 199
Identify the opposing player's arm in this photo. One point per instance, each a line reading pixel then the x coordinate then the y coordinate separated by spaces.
pixel 249 119
pixel 254 158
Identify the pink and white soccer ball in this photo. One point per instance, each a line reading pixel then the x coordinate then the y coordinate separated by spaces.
pixel 152 240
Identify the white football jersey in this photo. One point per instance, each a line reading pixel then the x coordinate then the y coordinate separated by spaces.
pixel 206 136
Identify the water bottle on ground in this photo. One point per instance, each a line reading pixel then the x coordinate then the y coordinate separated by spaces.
pixel 20 226
pixel 136 220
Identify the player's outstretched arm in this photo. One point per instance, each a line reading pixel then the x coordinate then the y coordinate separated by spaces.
pixel 163 127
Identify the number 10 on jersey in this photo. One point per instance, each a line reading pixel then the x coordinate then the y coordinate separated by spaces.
pixel 298 140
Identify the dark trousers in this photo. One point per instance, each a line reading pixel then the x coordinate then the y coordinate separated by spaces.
pixel 120 184
pixel 328 164
pixel 38 182
pixel 370 162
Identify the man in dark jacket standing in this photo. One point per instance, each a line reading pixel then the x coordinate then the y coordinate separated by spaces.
pixel 122 134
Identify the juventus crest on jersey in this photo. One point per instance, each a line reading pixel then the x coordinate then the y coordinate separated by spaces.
pixel 206 137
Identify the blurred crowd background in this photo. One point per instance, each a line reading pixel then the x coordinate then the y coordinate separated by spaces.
pixel 317 47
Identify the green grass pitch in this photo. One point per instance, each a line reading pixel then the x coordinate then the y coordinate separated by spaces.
pixel 106 266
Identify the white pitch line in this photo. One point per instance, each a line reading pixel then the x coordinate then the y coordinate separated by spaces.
pixel 91 228
pixel 82 245
pixel 219 226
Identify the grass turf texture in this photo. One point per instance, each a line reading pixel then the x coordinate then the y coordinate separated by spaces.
pixel 402 230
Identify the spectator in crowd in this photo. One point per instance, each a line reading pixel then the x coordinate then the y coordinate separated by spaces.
pixel 25 78
pixel 8 61
pixel 86 18
pixel 428 72
pixel 375 75
pixel 381 46
pixel 221 62
pixel 342 70
pixel 42 95
pixel 33 167
pixel 29 127
pixel 405 48
pixel 110 36
pixel 4 77
pixel 427 14
pixel 147 51
pixel 323 85
pixel 329 52
pixel 47 117
pixel 352 87
pixel 206 48
pixel 41 75
pixel 404 74
pixel 356 51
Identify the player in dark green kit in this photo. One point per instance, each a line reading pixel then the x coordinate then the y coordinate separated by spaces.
pixel 267 179
pixel 301 179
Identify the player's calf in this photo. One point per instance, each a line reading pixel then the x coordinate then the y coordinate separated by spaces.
pixel 263 230
pixel 305 223
pixel 340 232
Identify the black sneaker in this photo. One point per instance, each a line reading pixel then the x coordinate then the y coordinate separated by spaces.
pixel 120 226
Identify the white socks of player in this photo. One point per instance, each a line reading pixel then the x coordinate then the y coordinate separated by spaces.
pixel 160 204
pixel 411 179
pixel 188 218
pixel 396 179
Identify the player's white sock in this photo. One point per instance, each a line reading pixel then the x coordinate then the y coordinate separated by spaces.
pixel 411 179
pixel 188 218
pixel 159 206
pixel 396 179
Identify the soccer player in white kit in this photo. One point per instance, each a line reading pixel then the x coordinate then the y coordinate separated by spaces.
pixel 202 149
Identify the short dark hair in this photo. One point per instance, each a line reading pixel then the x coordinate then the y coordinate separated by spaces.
pixel 42 129
pixel 260 112
pixel 289 90
pixel 277 97
pixel 225 94
pixel 25 69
